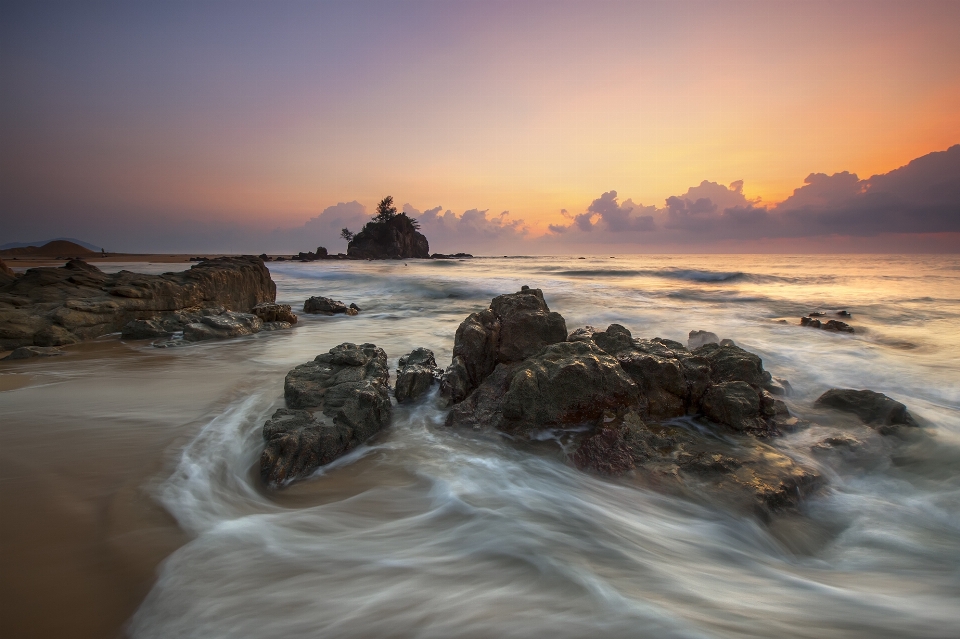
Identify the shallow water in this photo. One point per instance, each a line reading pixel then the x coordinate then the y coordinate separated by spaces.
pixel 430 533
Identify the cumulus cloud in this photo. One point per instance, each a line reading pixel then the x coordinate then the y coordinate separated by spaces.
pixel 922 197
pixel 475 230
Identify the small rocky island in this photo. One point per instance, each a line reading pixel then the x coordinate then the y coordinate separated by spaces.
pixel 223 297
pixel 701 421
pixel 388 236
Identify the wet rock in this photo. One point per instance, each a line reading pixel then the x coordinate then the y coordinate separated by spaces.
pixel 565 384
pixel 354 307
pixel 844 314
pixel 515 326
pixel 145 329
pixel 696 339
pixel 324 306
pixel 273 312
pixel 276 326
pixel 744 472
pixel 55 306
pixel 874 409
pixel 836 442
pixel 223 326
pixel 835 326
pixel 334 404
pixel 26 352
pixel 415 375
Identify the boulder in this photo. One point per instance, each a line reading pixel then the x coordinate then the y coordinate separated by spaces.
pixel 324 306
pixel 54 306
pixel 874 409
pixel 26 352
pixel 834 326
pixel 334 404
pixel 696 339
pixel 515 326
pixel 565 384
pixel 272 312
pixel 415 375
pixel 223 326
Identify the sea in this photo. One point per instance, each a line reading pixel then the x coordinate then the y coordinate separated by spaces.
pixel 137 492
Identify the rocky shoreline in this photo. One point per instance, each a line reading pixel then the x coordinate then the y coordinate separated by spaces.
pixel 701 421
pixel 50 306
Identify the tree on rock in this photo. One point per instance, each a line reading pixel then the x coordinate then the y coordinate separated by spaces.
pixel 346 234
pixel 386 211
pixel 388 235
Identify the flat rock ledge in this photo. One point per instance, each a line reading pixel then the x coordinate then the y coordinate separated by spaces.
pixel 58 306
pixel 333 404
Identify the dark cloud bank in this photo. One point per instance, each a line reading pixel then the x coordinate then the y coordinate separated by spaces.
pixel 915 208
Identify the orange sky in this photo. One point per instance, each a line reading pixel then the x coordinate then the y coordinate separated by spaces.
pixel 266 116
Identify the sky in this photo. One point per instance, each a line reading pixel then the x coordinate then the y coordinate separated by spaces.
pixel 506 127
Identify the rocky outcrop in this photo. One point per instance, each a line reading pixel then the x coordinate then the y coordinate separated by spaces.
pixel 514 327
pixel 334 403
pixel 328 306
pixel 396 238
pixel 614 397
pixel 223 326
pixel 56 306
pixel 416 373
pixel 874 409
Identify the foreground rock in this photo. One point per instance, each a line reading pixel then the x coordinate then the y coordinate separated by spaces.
pixel 328 306
pixel 334 404
pixel 269 312
pixel 513 328
pixel 874 409
pixel 614 396
pixel 415 375
pixel 57 306
pixel 26 352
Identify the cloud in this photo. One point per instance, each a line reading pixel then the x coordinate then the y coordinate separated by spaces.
pixel 922 197
pixel 472 231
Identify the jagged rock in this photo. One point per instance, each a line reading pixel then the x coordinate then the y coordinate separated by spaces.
pixel 334 404
pixel 696 339
pixel 565 384
pixel 223 326
pixel 26 352
pixel 272 312
pixel 415 375
pixel 324 306
pixel 55 306
pixel 515 326
pixel 874 409
pixel 394 239
pixel 745 472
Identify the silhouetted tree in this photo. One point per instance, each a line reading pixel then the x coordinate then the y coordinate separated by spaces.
pixel 386 211
pixel 346 234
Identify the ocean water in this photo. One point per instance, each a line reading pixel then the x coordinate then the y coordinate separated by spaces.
pixel 426 532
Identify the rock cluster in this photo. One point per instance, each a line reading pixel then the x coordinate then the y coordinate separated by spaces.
pixel 515 370
pixel 57 306
pixel 334 403
pixel 328 306
pixel 835 326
